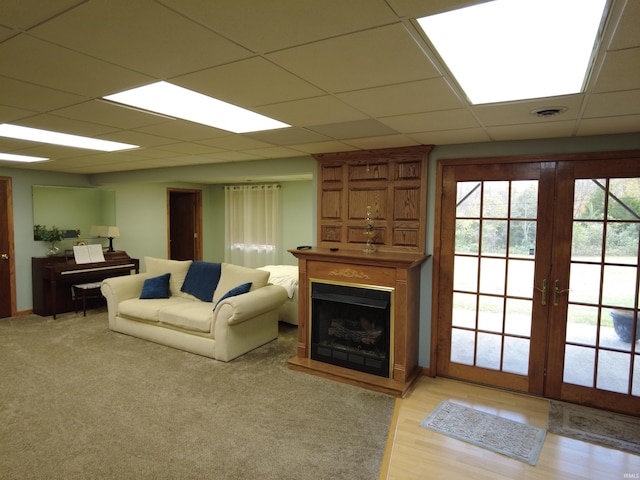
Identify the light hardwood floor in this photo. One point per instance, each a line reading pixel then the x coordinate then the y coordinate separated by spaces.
pixel 413 452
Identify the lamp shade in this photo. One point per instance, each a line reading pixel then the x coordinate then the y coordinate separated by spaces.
pixel 97 230
pixel 112 232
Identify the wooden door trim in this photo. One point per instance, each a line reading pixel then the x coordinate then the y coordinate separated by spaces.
pixel 7 181
pixel 198 223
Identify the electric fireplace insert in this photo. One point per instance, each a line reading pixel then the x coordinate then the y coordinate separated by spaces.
pixel 351 326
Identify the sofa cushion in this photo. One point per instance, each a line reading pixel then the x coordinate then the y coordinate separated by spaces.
pixel 239 290
pixel 149 309
pixel 177 268
pixel 195 315
pixel 202 279
pixel 156 287
pixel 234 275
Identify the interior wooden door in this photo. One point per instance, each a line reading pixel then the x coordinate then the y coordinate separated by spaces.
pixel 535 260
pixel 7 274
pixel 185 224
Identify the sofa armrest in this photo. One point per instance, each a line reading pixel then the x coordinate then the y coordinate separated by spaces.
pixel 117 289
pixel 241 308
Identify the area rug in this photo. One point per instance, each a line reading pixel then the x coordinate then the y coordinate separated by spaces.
pixel 592 425
pixel 514 439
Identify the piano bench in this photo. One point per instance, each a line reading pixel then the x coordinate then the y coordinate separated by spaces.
pixel 90 290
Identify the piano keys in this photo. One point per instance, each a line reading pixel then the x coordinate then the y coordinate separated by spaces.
pixel 53 277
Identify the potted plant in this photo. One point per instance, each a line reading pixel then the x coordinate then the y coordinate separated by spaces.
pixel 623 324
pixel 51 235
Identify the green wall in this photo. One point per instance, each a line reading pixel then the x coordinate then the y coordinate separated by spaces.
pixel 141 204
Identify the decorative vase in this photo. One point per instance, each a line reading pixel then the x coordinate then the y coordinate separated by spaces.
pixel 53 249
pixel 623 325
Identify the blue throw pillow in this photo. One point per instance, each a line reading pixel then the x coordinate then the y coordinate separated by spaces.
pixel 156 287
pixel 202 279
pixel 239 290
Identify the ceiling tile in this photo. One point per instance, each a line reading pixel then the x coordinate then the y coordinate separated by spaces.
pixel 431 121
pixel 372 58
pixel 183 130
pixel 287 136
pixel 602 126
pixel 150 38
pixel 63 69
pixel 420 8
pixel 385 141
pixel 34 97
pixel 248 83
pixel 23 14
pixel 621 71
pixel 354 129
pixel 613 104
pixel 521 132
pixel 111 114
pixel 627 33
pixel 275 152
pixel 312 111
pixel 451 137
pixel 404 98
pixel 267 26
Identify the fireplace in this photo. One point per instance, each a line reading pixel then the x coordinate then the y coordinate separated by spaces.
pixel 342 286
pixel 351 326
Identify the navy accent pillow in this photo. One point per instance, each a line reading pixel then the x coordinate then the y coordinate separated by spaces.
pixel 156 287
pixel 239 290
pixel 202 279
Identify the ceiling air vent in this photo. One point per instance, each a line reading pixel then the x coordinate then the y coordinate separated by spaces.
pixel 548 111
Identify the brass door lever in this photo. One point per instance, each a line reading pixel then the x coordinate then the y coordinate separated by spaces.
pixel 557 292
pixel 543 292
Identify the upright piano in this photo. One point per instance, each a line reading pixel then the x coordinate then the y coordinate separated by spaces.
pixel 53 278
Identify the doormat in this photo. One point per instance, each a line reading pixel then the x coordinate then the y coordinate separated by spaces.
pixel 610 429
pixel 501 435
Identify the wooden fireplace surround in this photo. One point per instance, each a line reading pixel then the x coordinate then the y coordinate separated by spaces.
pixel 397 270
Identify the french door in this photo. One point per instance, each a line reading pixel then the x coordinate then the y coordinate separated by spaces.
pixel 537 259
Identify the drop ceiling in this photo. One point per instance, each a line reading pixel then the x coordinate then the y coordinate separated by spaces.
pixel 347 75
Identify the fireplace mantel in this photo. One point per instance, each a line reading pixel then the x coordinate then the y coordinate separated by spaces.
pixel 397 270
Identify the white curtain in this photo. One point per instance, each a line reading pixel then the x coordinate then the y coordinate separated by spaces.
pixel 252 224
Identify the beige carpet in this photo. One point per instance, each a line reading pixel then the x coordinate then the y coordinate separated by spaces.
pixel 78 401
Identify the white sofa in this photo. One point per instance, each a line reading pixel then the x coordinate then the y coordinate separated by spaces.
pixel 223 328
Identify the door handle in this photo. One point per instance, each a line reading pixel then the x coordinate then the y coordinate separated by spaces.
pixel 543 292
pixel 4 256
pixel 557 292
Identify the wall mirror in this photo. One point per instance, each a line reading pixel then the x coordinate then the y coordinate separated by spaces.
pixel 73 209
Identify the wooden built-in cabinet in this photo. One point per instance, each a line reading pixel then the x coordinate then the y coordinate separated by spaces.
pixel 392 182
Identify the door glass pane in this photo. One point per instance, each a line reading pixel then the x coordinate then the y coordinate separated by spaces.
pixel 494 237
pixel 462 346
pixel 583 245
pixel 618 286
pixel 579 365
pixel 522 237
pixel 495 200
pixel 520 278
pixel 621 244
pixel 516 355
pixel 518 317
pixel 464 310
pixel 613 371
pixel 467 236
pixel 588 199
pixel 582 324
pixel 465 277
pixel 468 199
pixel 489 351
pixel 524 199
pixel 492 275
pixel 584 282
pixel 490 313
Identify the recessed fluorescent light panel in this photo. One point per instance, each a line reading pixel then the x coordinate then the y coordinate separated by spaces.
pixel 21 158
pixel 57 138
pixel 169 99
pixel 506 50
